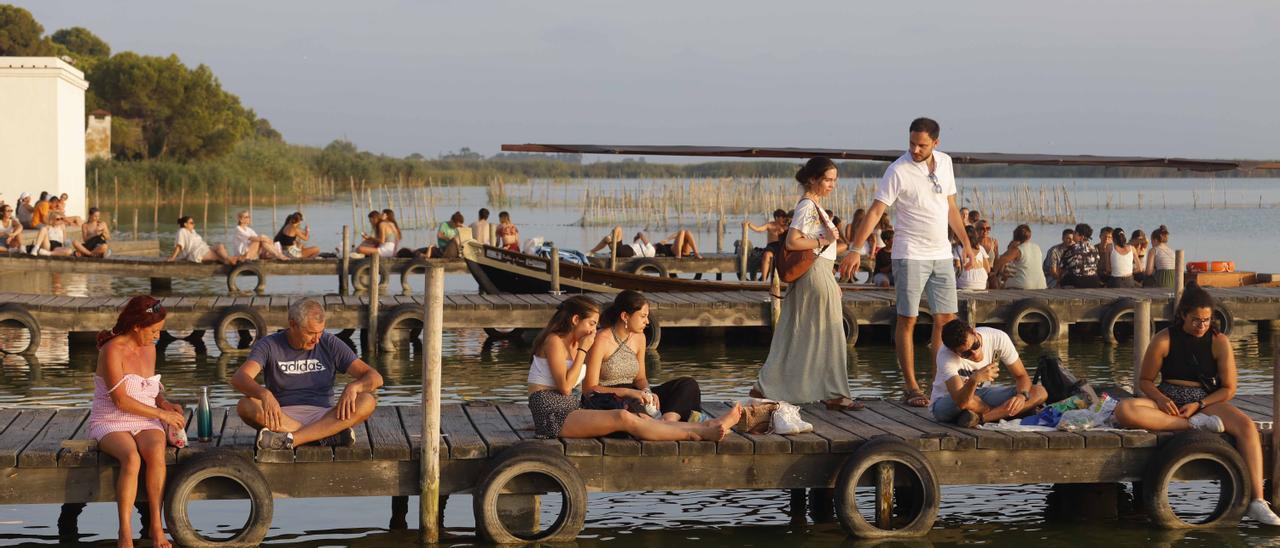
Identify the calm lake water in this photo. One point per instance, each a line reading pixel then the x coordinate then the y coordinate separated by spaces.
pixel 59 376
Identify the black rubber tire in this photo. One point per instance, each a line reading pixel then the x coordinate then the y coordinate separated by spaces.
pixel 863 460
pixel 647 267
pixel 501 333
pixel 11 312
pixel 1117 311
pixel 403 313
pixel 233 287
pixel 1190 446
pixel 418 266
pixel 1224 319
pixel 850 324
pixel 527 458
pixel 225 324
pixel 218 464
pixel 653 334
pixel 360 271
pixel 1027 307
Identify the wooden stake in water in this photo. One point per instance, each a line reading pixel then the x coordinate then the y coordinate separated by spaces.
pixel 135 224
pixel 345 267
pixel 116 182
pixel 155 219
pixel 375 296
pixel 251 201
pixel 355 218
pixel 429 460
pixel 555 270
pixel 275 222
pixel 205 224
pixel 1141 339
pixel 182 201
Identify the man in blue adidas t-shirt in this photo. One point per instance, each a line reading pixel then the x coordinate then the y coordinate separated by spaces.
pixel 299 365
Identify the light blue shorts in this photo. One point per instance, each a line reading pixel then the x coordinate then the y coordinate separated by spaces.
pixel 912 277
pixel 945 410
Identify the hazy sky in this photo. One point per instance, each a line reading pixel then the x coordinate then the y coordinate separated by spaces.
pixel 1176 78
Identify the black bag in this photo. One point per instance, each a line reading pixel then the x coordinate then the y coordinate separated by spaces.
pixel 1057 380
pixel 603 401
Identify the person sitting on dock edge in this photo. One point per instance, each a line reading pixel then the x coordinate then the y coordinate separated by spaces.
pixel 298 366
pixel 774 230
pixel 10 230
pixel 967 364
pixel 1198 380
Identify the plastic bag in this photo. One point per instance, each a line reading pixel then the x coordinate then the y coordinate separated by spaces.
pixel 177 437
pixel 1049 416
pixel 1101 413
pixel 786 420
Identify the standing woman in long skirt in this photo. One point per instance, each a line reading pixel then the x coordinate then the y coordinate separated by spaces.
pixel 808 355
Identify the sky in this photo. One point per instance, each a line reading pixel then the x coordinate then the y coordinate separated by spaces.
pixel 1117 77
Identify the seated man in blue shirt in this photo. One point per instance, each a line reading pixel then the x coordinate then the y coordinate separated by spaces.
pixel 298 366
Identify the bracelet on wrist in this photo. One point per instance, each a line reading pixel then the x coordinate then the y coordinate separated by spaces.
pixel 582 350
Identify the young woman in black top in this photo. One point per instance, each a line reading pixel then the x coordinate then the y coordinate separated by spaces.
pixel 1197 381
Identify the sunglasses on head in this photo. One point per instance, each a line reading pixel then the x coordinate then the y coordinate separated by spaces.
pixel 156 308
pixel 968 354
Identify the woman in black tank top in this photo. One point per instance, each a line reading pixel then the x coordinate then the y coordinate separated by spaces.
pixel 1198 380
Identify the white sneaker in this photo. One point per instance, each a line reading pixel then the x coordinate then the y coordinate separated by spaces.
pixel 1261 512
pixel 356 255
pixel 1208 423
pixel 43 252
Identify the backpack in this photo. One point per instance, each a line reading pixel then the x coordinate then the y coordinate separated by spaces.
pixel 1059 382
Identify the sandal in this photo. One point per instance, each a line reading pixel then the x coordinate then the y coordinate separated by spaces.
pixel 843 404
pixel 915 398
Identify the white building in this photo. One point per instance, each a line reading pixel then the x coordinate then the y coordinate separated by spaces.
pixel 42 129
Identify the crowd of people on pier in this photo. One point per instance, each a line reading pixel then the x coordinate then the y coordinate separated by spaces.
pixel 587 374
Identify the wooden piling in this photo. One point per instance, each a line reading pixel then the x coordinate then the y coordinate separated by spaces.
pixel 355 217
pixel 613 252
pixel 720 234
pixel 744 246
pixel 205 224
pixel 1141 339
pixel 884 495
pixel 429 460
pixel 135 224
pixel 251 201
pixel 555 270
pixel 1179 275
pixel 775 302
pixel 182 201
pixel 155 212
pixel 375 298
pixel 345 265
pixel 274 221
pixel 116 182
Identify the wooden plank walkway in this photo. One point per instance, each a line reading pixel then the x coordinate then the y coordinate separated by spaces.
pixel 40 466
pixel 669 310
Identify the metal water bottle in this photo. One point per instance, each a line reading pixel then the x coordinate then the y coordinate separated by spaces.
pixel 204 417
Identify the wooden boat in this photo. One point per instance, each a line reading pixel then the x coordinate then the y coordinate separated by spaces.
pixel 498 270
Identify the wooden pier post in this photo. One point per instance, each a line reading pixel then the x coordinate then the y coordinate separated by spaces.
pixel 135 224
pixel 555 270
pixel 613 253
pixel 1179 275
pixel 345 266
pixel 432 345
pixel 744 246
pixel 1141 338
pixel 375 298
pixel 720 234
pixel 775 303
pixel 155 212
pixel 884 495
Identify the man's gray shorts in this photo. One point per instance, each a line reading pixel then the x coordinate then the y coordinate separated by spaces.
pixel 912 277
pixel 945 410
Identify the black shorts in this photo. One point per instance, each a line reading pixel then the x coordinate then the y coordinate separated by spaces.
pixel 625 251
pixel 774 247
pixel 662 250
pixel 94 242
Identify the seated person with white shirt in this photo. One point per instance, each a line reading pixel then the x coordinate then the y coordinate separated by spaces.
pixel 967 364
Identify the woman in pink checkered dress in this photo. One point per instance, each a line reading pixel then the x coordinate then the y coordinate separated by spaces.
pixel 129 412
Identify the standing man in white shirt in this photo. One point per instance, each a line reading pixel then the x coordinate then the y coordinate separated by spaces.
pixel 921 188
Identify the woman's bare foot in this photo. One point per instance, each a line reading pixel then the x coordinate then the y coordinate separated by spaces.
pixel 158 539
pixel 712 431
pixel 729 419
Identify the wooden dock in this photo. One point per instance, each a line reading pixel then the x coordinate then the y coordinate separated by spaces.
pixel 161 272
pixel 40 466
pixel 1030 316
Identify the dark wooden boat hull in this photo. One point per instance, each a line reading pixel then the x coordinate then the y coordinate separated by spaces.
pixel 498 270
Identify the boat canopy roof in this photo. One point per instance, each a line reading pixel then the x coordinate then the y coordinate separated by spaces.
pixel 1191 164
